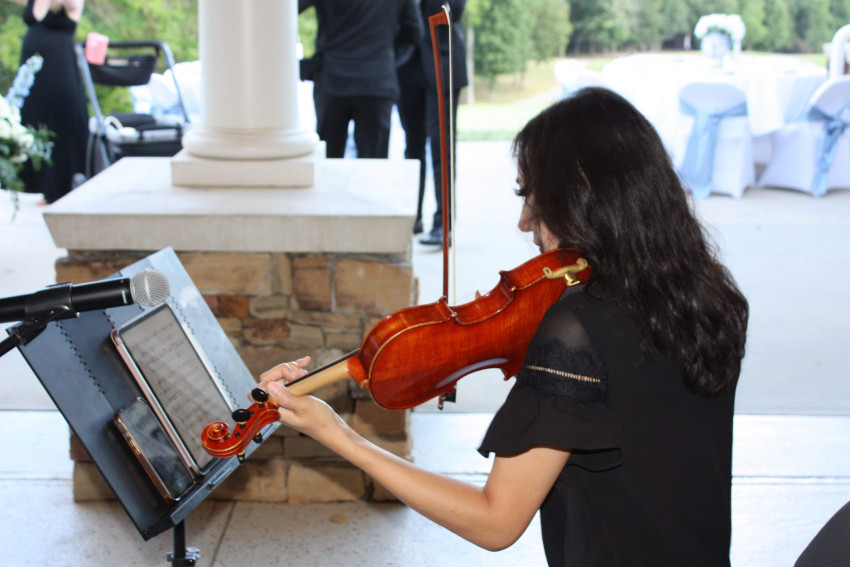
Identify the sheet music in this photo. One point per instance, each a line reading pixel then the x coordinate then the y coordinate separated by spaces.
pixel 177 376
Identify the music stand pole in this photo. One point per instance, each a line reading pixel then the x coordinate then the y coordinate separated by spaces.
pixel 182 556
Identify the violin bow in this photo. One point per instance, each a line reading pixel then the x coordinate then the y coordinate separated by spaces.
pixel 444 17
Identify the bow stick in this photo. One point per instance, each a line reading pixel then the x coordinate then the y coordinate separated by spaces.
pixel 444 17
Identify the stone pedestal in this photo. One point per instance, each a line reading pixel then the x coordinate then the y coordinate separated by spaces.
pixel 287 272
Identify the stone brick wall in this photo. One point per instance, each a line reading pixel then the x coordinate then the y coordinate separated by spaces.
pixel 276 307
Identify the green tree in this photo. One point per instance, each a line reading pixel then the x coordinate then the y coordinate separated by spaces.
pixel 502 43
pixel 598 25
pixel 753 13
pixel 550 22
pixel 172 21
pixel 649 25
pixel 780 24
pixel 816 25
pixel 840 10
pixel 12 29
pixel 676 19
pixel 473 13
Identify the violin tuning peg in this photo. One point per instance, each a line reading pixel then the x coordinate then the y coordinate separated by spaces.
pixel 259 395
pixel 241 415
pixel 240 457
pixel 258 438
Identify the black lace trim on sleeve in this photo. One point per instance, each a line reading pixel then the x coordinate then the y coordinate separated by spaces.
pixel 553 369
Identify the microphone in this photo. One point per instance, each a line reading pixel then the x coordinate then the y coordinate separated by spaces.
pixel 62 301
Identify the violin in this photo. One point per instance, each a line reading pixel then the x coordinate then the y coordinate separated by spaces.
pixel 420 352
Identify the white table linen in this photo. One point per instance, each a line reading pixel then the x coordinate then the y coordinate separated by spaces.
pixel 777 87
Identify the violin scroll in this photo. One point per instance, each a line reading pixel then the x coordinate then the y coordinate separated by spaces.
pixel 220 442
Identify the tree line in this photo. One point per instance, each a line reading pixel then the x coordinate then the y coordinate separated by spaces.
pixel 509 33
pixel 502 35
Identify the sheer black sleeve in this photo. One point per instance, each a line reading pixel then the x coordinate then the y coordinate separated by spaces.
pixel 560 397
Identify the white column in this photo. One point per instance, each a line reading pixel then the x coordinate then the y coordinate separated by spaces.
pixel 249 85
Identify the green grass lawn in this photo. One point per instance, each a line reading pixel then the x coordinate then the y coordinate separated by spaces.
pixel 500 113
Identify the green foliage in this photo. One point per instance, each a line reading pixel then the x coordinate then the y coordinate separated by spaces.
pixel 649 24
pixel 550 20
pixel 781 26
pixel 677 18
pixel 308 26
pixel 818 25
pixel 501 40
pixel 840 10
pixel 474 11
pixel 598 25
pixel 753 13
pixel 12 29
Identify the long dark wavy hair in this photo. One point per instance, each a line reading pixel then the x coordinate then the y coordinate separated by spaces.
pixel 595 172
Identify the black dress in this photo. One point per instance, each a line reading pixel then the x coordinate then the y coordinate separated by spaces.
pixel 57 100
pixel 650 475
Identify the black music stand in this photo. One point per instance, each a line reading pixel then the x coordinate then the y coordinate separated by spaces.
pixel 81 370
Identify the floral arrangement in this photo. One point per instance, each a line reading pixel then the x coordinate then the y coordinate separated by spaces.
pixel 732 25
pixel 20 143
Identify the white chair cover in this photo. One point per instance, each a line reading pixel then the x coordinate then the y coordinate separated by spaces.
pixel 714 148
pixel 813 154
pixel 838 52
pixel 572 75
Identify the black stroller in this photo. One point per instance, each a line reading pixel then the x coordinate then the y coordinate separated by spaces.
pixel 128 64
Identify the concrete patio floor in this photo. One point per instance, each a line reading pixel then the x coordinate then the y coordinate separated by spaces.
pixel 788 252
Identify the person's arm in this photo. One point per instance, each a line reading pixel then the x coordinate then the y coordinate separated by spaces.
pixel 493 516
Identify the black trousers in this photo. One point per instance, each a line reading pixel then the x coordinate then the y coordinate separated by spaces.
pixel 418 110
pixel 371 116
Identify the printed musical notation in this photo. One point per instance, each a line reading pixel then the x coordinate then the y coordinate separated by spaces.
pixel 178 378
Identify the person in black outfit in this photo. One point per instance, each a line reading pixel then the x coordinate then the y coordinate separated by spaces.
pixel 354 76
pixel 417 106
pixel 619 426
pixel 57 98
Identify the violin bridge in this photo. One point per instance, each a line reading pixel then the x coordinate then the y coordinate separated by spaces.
pixel 569 273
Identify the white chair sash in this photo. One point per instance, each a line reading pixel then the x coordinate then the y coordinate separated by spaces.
pixel 698 164
pixel 834 126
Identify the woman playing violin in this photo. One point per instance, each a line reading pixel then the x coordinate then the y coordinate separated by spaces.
pixel 619 426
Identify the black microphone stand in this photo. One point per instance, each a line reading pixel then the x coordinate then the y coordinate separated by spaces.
pixel 32 326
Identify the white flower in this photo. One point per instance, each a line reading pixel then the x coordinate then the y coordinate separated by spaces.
pixel 730 24
pixel 5 109
pixel 19 143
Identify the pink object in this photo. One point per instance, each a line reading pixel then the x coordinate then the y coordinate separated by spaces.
pixel 96 45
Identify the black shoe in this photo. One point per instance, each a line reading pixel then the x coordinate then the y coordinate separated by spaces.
pixel 434 238
pixel 417 227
